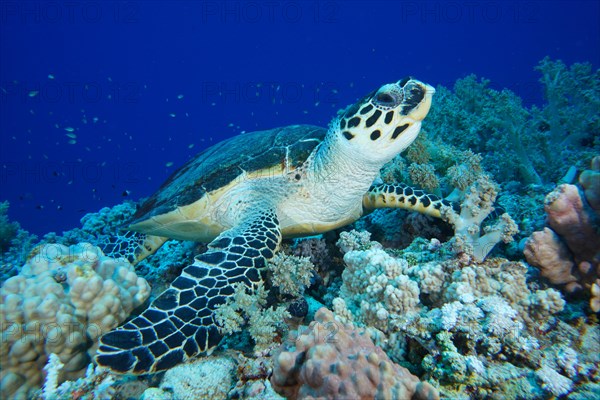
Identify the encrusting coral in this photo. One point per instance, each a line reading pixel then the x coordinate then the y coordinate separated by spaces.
pixel 567 252
pixel 206 378
pixel 330 360
pixel 63 299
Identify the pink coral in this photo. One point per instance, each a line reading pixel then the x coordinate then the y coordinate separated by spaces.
pixel 568 253
pixel 331 360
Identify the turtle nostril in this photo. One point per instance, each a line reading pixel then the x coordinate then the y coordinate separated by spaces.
pixel 404 81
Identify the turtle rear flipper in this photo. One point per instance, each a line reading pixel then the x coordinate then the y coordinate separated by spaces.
pixel 180 323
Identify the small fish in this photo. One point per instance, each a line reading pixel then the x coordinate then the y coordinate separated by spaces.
pixel 172 115
pixel 69 129
pixel 190 145
pixel 33 93
pixel 125 193
pixel 50 76
pixel 71 135
pixel 169 164
pixel 72 141
pixel 180 96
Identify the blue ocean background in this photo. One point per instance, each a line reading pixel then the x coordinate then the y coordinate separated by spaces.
pixel 101 101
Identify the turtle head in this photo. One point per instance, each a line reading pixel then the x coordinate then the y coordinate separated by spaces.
pixel 386 121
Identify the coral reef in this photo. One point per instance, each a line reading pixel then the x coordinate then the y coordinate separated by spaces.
pixel 8 229
pixel 567 252
pixel 248 307
pixel 206 378
pixel 476 207
pixel 97 384
pixel 330 360
pixel 461 323
pixel 290 274
pixel 15 244
pixel 426 309
pixel 532 146
pixel 590 182
pixel 63 299
pixel 375 285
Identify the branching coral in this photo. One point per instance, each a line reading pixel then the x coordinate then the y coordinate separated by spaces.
pixel 475 208
pixel 251 307
pixel 374 283
pixel 291 274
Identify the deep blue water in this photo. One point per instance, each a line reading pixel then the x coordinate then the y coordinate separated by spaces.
pixel 98 98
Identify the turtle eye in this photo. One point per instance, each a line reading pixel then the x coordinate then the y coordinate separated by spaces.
pixel 387 99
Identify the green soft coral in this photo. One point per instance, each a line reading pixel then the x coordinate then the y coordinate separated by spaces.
pixel 8 229
pixel 531 145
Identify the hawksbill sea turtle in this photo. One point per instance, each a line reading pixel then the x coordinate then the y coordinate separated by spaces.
pixel 245 194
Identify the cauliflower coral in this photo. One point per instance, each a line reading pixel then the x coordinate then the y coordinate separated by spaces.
pixel 330 360
pixel 61 302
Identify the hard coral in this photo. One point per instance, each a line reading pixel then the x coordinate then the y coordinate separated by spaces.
pixel 590 181
pixel 330 360
pixel 206 378
pixel 568 252
pixel 476 207
pixel 61 302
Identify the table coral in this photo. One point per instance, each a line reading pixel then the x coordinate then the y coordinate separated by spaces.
pixel 63 299
pixel 568 251
pixel 330 360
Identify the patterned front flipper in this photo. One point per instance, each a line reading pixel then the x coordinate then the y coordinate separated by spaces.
pixel 180 323
pixel 402 196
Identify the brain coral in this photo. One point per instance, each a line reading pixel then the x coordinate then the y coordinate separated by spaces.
pixel 330 360
pixel 61 302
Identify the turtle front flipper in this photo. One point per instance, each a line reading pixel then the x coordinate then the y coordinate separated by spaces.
pixel 180 323
pixel 402 196
pixel 133 246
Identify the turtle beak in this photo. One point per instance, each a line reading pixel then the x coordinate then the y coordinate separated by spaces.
pixel 418 99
